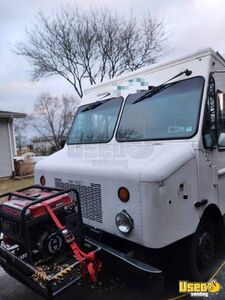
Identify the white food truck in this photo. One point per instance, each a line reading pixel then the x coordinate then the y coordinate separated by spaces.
pixel 146 152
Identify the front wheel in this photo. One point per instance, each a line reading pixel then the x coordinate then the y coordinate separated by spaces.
pixel 203 251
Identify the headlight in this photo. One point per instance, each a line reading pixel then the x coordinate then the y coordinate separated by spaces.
pixel 124 222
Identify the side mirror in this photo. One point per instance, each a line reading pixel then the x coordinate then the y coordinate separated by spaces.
pixel 221 140
pixel 208 141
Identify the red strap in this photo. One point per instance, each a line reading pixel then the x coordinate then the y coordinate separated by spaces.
pixel 53 216
pixel 93 266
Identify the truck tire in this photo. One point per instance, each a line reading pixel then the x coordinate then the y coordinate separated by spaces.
pixel 203 250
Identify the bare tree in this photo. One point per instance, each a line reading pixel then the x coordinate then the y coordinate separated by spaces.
pixel 52 117
pixel 127 44
pixel 91 44
pixel 20 126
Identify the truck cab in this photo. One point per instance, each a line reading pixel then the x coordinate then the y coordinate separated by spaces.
pixel 146 152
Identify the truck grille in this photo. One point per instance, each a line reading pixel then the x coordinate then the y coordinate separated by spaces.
pixel 90 198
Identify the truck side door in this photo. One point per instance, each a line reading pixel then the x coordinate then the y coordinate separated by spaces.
pixel 207 156
pixel 220 115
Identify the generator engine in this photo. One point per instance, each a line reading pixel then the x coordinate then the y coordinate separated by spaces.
pixel 32 228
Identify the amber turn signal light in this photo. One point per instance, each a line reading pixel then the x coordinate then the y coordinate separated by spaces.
pixel 123 194
pixel 42 180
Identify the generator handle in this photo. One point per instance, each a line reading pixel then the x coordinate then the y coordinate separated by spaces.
pixel 37 186
pixel 49 189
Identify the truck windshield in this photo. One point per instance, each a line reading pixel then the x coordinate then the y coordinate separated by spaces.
pixel 95 122
pixel 169 114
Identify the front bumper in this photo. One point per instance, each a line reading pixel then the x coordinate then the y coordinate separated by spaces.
pixel 133 262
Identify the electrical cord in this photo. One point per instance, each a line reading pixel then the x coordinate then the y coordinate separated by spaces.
pixel 214 275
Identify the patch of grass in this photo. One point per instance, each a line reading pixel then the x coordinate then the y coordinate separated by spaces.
pixel 14 184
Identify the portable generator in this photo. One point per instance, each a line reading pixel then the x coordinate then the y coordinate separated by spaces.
pixel 41 233
pixel 42 241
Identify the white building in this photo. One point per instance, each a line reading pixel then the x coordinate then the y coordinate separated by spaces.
pixel 41 144
pixel 7 142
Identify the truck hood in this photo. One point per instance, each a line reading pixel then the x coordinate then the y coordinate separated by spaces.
pixel 141 162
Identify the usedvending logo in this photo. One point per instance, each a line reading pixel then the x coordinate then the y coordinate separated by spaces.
pixel 199 289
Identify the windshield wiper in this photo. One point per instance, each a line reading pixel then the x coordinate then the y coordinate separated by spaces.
pixel 94 105
pixel 156 89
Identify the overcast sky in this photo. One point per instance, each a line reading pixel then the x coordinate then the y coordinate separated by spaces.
pixel 191 24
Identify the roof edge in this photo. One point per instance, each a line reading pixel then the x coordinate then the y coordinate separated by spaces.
pixel 171 60
pixel 11 114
